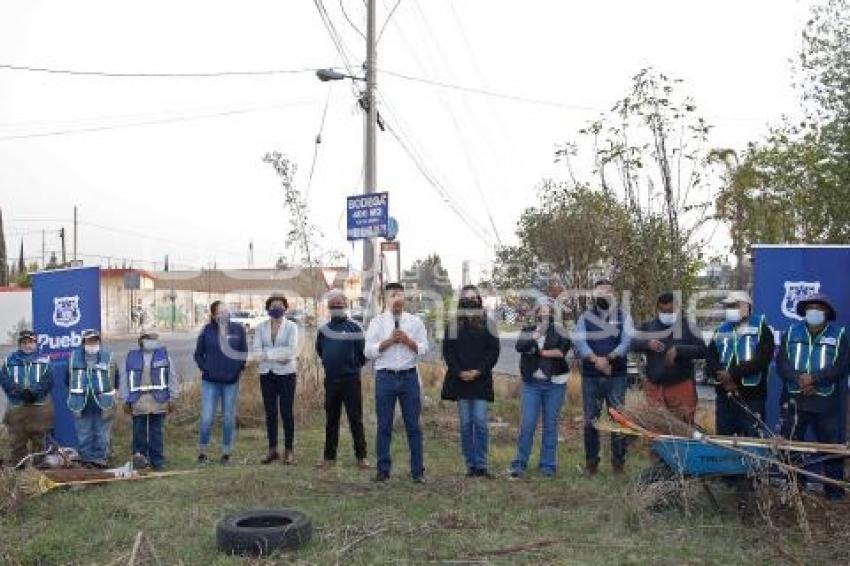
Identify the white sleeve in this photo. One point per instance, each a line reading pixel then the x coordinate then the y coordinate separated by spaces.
pixel 420 336
pixel 373 338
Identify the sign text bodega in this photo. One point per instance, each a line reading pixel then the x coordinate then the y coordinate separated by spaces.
pixel 368 216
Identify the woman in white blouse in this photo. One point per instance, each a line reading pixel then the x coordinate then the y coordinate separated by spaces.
pixel 276 346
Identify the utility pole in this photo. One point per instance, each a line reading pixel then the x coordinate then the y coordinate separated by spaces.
pixel 62 237
pixel 370 168
pixel 75 235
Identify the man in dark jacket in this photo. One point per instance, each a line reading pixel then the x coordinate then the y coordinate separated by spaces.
pixel 340 344
pixel 670 348
pixel 221 353
pixel 602 339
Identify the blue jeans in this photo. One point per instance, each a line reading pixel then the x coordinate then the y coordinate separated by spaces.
pixel 404 388
pixel 539 396
pixel 93 433
pixel 595 391
pixel 148 438
pixel 211 393
pixel 474 434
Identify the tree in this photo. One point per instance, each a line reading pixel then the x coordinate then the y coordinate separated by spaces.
pixel 428 275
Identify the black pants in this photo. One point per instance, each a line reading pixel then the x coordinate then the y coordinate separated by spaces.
pixel 339 391
pixel 279 391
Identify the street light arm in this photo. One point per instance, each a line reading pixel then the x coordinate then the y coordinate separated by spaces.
pixel 326 75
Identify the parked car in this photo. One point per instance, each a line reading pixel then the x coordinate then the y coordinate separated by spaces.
pixel 249 319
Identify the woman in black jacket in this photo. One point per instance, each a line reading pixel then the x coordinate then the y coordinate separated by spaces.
pixel 471 350
pixel 543 365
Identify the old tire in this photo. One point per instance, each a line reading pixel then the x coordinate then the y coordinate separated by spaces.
pixel 263 531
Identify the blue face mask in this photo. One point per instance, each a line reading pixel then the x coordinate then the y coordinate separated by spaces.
pixel 276 312
pixel 815 317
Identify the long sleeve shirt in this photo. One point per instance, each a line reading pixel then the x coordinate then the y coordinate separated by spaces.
pixel 398 356
pixel 583 337
pixel 340 345
pixel 688 347
pixel 278 355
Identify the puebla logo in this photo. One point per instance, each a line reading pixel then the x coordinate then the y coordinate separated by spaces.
pixel 796 291
pixel 66 311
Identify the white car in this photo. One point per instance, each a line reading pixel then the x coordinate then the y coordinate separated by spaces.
pixel 249 319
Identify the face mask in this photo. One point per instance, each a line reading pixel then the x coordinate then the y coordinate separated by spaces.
pixel 223 317
pixel 92 350
pixel 602 303
pixel 668 318
pixel 28 348
pixel 733 315
pixel 276 312
pixel 148 345
pixel 338 314
pixel 470 303
pixel 815 317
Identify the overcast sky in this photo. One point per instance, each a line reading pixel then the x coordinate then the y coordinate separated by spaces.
pixel 181 158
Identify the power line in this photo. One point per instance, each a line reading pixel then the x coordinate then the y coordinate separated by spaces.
pixel 316 146
pixel 387 21
pixel 189 75
pixel 351 23
pixel 154 122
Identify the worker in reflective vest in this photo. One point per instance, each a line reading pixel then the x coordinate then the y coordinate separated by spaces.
pixel 26 379
pixel 813 359
pixel 148 386
pixel 92 377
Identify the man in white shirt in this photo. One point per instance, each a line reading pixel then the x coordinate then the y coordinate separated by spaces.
pixel 395 341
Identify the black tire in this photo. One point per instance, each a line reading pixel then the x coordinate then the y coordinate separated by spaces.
pixel 263 531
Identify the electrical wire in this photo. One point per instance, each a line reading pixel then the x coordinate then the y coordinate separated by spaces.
pixel 153 122
pixel 387 21
pixel 348 19
pixel 316 146
pixel 191 75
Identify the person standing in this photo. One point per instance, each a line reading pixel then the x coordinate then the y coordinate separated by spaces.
pixel 471 349
pixel 738 361
pixel 276 344
pixel 670 348
pixel 220 354
pixel 603 338
pixel 92 378
pixel 340 344
pixel 27 378
pixel 812 361
pixel 543 349
pixel 148 388
pixel 395 341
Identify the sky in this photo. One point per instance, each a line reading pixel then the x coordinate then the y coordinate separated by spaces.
pixel 173 165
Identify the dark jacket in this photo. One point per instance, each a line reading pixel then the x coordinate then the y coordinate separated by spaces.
pixel 688 348
pixel 221 356
pixel 340 344
pixel 759 364
pixel 469 345
pixel 530 360
pixel 603 334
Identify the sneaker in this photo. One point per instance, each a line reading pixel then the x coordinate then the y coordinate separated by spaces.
pixel 363 464
pixel 419 479
pixel 515 474
pixel 288 458
pixel 325 464
pixel 483 473
pixel 225 459
pixel 203 460
pixel 270 457
pixel 381 477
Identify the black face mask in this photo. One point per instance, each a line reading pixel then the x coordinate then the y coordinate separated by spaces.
pixel 602 303
pixel 338 314
pixel 470 303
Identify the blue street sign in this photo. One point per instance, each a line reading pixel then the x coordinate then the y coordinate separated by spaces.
pixel 368 216
pixel 64 303
pixel 392 229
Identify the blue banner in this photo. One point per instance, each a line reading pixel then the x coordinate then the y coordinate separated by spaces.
pixel 367 216
pixel 785 274
pixel 64 303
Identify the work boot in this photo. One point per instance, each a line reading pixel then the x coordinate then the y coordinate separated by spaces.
pixel 591 467
pixel 271 456
pixel 288 458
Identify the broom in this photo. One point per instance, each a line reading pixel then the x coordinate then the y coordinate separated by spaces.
pixel 34 483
